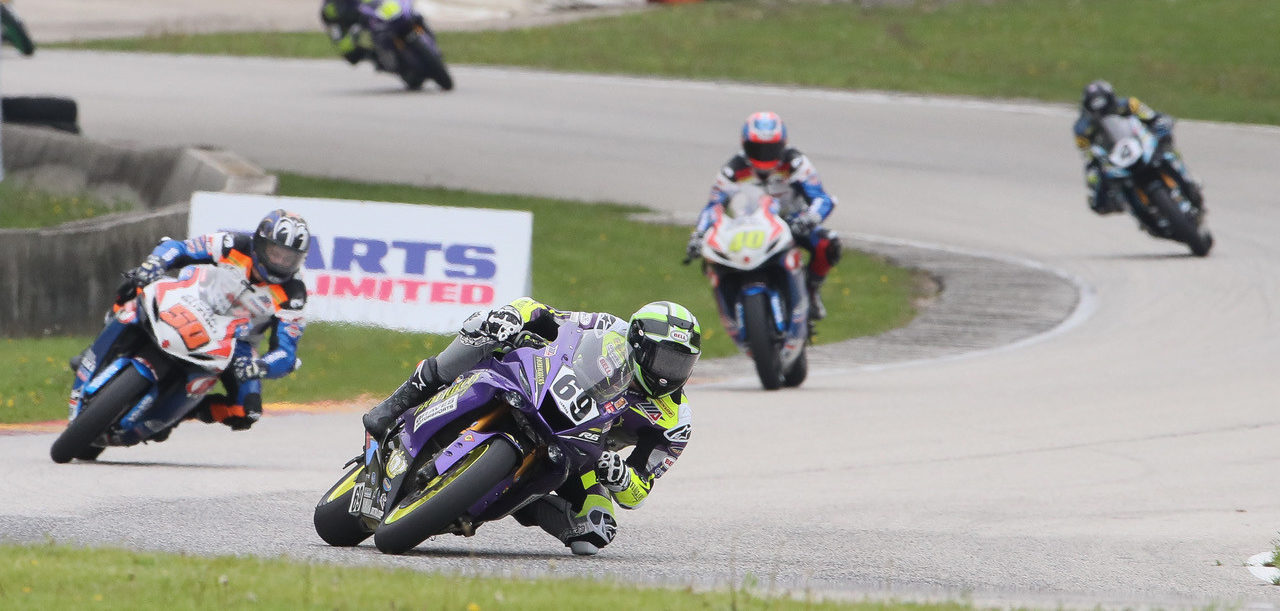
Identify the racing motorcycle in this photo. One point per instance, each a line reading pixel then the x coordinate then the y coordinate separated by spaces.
pixel 1147 184
pixel 758 278
pixel 400 41
pixel 172 342
pixel 504 434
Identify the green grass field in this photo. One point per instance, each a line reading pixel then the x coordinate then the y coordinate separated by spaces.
pixel 60 577
pixel 1208 59
pixel 25 207
pixel 640 262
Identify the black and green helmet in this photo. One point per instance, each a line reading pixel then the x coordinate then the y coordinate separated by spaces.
pixel 665 341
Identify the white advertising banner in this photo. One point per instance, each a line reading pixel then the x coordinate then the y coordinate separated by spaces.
pixel 400 266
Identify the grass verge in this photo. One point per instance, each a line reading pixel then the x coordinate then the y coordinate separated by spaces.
pixel 62 577
pixel 1209 59
pixel 25 207
pixel 630 263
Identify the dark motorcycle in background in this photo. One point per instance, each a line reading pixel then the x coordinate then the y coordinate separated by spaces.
pixel 1147 183
pixel 398 40
pixel 758 277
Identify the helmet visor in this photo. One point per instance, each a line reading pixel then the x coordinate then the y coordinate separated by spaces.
pixel 763 153
pixel 280 261
pixel 667 364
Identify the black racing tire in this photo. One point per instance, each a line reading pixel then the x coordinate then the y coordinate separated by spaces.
pixel 431 64
pixel 100 412
pixel 427 511
pixel 761 334
pixel 90 453
pixel 798 372
pixel 333 522
pixel 1181 226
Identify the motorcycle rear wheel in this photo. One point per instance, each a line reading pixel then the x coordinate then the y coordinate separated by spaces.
pixel 1183 229
pixel 428 510
pixel 99 413
pixel 332 520
pixel 758 320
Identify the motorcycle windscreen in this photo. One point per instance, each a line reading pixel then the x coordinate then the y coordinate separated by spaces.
pixel 1115 128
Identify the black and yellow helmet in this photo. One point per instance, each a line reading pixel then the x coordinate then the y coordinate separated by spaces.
pixel 665 343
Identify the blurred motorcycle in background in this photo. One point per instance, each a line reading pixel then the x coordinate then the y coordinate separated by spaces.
pixel 1146 183
pixel 758 277
pixel 391 34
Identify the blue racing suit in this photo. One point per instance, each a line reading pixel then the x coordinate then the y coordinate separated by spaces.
pixel 802 201
pixel 242 405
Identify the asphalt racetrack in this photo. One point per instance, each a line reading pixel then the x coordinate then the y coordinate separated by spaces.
pixel 1126 456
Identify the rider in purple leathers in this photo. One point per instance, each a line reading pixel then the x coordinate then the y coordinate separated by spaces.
pixel 1099 100
pixel 665 340
pixel 272 256
pixel 786 174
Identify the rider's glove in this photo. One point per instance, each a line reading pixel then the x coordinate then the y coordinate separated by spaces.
pixel 1162 126
pixel 803 223
pixel 140 276
pixel 613 471
pixel 248 368
pixel 694 249
pixel 498 326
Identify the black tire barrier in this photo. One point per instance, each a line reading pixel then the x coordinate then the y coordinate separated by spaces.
pixel 58 113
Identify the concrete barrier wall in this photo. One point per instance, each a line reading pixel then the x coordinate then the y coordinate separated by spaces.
pixel 60 280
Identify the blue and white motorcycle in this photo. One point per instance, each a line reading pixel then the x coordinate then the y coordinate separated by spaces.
pixel 159 354
pixel 1148 183
pixel 758 277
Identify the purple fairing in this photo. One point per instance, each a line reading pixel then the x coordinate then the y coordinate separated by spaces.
pixel 563 396
pixel 394 18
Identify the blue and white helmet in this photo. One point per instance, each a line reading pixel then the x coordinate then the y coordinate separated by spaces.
pixel 279 246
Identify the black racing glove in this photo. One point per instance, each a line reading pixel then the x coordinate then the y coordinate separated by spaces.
pixel 498 326
pixel 248 368
pixel 693 249
pixel 150 270
pixel 802 224
pixel 613 471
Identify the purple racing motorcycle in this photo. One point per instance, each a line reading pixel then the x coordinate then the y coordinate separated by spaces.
pixel 501 436
pixel 402 43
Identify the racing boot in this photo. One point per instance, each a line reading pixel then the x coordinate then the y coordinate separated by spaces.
pixel 584 532
pixel 817 310
pixel 74 362
pixel 420 386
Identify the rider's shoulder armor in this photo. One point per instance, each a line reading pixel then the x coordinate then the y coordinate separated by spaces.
pixel 738 169
pixel 239 242
pixel 792 160
pixel 295 294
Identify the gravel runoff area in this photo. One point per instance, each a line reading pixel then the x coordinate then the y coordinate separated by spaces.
pixel 984 302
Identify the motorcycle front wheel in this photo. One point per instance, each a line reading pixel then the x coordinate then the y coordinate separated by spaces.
pixel 333 522
pixel 430 507
pixel 98 414
pixel 429 63
pixel 761 331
